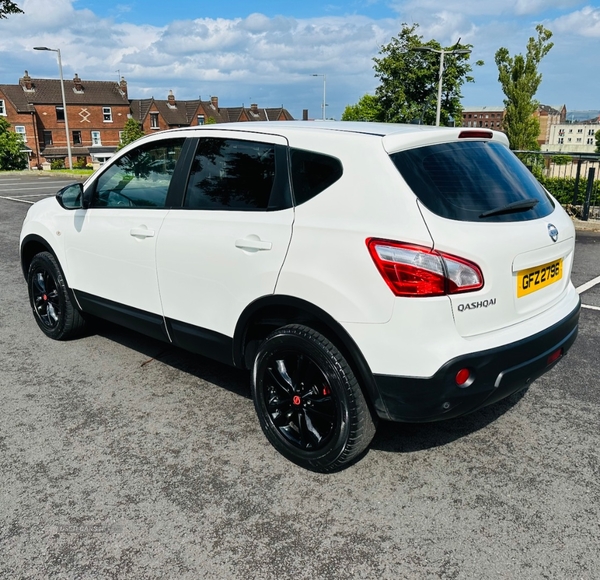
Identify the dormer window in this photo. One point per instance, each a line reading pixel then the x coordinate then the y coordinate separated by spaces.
pixel 60 114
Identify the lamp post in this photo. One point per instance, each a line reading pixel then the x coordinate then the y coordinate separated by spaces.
pixel 441 52
pixel 324 99
pixel 62 90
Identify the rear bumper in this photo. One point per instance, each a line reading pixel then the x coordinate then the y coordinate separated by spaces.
pixel 497 373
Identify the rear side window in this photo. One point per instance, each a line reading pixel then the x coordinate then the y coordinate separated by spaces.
pixel 229 174
pixel 473 181
pixel 312 173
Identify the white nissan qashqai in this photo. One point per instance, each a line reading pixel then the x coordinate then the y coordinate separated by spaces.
pixel 360 271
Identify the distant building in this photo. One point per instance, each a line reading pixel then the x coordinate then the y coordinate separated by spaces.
pixel 548 116
pixel 97 111
pixel 157 115
pixel 96 115
pixel 490 117
pixel 572 138
pixel 493 118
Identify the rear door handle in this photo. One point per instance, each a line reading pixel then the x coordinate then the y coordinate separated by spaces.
pixel 141 233
pixel 253 244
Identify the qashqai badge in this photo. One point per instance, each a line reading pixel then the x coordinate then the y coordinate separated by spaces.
pixel 553 232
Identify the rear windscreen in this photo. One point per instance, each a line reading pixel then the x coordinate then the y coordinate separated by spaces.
pixel 479 181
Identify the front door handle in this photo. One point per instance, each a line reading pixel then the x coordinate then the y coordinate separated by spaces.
pixel 141 233
pixel 253 244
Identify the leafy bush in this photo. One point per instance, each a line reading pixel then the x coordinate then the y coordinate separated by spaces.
pixel 57 164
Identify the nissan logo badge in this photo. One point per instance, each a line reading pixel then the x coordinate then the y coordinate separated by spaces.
pixel 553 232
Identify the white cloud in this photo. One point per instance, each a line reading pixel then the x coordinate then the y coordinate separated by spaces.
pixel 270 60
pixel 585 22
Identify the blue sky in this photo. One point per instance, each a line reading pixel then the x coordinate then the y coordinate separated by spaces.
pixel 266 51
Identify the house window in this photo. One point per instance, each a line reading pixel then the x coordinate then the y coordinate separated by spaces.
pixel 200 119
pixel 561 140
pixel 60 114
pixel 76 137
pixel 96 138
pixel 590 141
pixel 153 120
pixel 107 114
pixel 580 130
pixel 20 129
pixel 590 131
pixel 48 138
pixel 2 108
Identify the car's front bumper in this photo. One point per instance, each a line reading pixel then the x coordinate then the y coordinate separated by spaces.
pixel 497 373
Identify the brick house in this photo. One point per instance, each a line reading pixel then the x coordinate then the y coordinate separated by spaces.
pixel 158 115
pixel 96 114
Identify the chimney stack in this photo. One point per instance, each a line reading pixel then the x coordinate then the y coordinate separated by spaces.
pixel 26 82
pixel 77 83
pixel 214 101
pixel 305 114
pixel 123 86
pixel 171 98
pixel 254 108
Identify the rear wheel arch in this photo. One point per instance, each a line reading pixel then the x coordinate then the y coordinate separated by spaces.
pixel 269 313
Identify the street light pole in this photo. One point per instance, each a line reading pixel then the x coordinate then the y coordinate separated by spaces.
pixel 441 52
pixel 324 93
pixel 64 101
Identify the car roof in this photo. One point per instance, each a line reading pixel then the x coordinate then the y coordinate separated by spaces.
pixel 395 136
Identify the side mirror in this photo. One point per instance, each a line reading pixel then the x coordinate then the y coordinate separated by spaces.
pixel 71 196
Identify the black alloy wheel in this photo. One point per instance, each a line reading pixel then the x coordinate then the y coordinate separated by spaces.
pixel 308 400
pixel 55 313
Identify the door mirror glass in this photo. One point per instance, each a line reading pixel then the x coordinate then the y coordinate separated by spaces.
pixel 70 197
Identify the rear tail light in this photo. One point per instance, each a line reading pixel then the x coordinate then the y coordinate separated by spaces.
pixel 411 270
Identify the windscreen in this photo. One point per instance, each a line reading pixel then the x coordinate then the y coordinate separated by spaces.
pixel 481 181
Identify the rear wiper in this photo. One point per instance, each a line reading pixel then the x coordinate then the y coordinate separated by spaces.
pixel 515 206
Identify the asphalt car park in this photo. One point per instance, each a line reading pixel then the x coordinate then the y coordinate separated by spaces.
pixel 121 457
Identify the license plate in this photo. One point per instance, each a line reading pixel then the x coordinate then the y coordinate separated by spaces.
pixel 534 279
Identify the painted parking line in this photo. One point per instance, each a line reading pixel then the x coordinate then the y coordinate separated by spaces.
pixel 32 188
pixel 589 285
pixel 17 199
pixel 581 289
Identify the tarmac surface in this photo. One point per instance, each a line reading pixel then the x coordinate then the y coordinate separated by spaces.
pixel 122 457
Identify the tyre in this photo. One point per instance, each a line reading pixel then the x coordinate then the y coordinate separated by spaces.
pixel 308 401
pixel 53 309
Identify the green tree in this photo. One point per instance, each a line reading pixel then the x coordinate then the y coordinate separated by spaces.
pixel 520 81
pixel 8 7
pixel 131 132
pixel 409 79
pixel 367 109
pixel 11 148
pixel 597 137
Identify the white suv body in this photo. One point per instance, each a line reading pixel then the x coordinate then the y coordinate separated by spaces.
pixel 360 270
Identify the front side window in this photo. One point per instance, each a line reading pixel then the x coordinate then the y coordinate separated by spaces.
pixel 200 119
pixel 228 174
pixel 48 138
pixel 2 108
pixel 141 178
pixel 469 179
pixel 20 130
pixel 76 137
pixel 107 114
pixel 60 114
pixel 96 138
pixel 154 120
